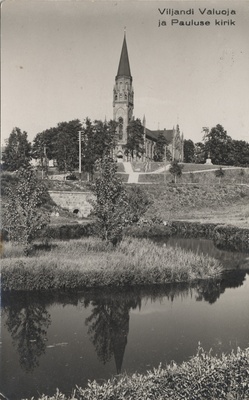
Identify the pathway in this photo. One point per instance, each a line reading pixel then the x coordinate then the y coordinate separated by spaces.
pixel 133 176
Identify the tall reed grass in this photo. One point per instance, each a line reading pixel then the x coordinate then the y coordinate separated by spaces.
pixel 91 262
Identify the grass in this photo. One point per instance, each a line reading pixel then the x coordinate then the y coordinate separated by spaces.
pixel 204 376
pixel 93 263
pixel 199 202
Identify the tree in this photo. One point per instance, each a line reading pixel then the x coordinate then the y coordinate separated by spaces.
pixel 189 151
pixel 111 207
pixel 23 215
pixel 44 147
pixel 218 145
pixel 176 169
pixel 135 138
pixel 98 141
pixel 161 148
pixel 240 154
pixel 219 173
pixel 67 145
pixel 17 153
pixel 200 153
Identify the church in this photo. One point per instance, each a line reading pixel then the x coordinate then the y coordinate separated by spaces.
pixel 123 105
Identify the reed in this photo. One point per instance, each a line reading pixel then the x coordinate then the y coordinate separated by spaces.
pixel 91 262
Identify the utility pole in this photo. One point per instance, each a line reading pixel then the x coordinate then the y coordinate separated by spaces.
pixel 80 155
pixel 165 163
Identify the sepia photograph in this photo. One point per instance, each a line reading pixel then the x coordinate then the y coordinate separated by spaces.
pixel 124 200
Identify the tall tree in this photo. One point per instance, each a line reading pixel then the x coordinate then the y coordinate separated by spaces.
pixel 111 207
pixel 135 138
pixel 200 153
pixel 161 148
pixel 218 144
pixel 67 145
pixel 17 153
pixel 23 216
pixel 98 140
pixel 189 151
pixel 44 146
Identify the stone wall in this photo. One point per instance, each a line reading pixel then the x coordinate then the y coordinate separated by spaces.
pixel 77 202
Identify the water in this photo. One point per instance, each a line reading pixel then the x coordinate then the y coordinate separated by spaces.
pixel 64 339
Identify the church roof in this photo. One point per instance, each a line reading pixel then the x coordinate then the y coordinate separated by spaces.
pixel 153 135
pixel 124 65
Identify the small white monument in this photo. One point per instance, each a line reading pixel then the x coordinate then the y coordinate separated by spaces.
pixel 208 160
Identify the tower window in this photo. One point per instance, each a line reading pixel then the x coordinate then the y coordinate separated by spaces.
pixel 120 128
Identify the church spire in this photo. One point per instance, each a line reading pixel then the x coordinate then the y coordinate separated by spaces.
pixel 124 65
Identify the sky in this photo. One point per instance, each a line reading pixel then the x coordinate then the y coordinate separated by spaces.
pixel 59 59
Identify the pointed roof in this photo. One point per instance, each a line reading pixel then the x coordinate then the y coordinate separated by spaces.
pixel 124 65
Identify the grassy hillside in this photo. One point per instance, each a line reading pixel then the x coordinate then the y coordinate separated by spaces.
pixel 228 204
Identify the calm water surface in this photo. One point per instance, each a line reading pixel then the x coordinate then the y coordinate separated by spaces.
pixel 61 339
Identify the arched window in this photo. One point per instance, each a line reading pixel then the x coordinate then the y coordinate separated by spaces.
pixel 120 128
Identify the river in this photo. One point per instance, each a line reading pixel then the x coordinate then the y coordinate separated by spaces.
pixel 63 339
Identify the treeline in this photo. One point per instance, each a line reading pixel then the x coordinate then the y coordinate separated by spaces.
pixel 61 144
pixel 219 147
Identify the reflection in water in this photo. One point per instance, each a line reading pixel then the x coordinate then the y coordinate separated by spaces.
pixel 108 326
pixel 210 290
pixel 163 323
pixel 27 318
pixel 27 321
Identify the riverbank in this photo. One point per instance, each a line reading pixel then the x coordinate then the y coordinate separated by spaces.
pixel 204 376
pixel 90 262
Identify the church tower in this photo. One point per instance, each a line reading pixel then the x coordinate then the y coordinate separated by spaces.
pixel 123 96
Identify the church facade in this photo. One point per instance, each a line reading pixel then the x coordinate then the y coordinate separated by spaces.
pixel 123 105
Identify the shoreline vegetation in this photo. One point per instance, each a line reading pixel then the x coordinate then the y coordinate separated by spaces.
pixel 91 262
pixel 204 376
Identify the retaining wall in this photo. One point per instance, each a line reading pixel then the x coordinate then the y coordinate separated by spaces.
pixel 77 202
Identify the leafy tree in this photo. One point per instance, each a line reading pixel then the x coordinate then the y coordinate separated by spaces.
pixel 189 151
pixel 44 147
pixel 176 169
pixel 114 207
pixel 111 207
pixel 98 141
pixel 218 145
pixel 240 153
pixel 17 153
pixel 160 148
pixel 200 153
pixel 219 173
pixel 135 138
pixel 67 145
pixel 23 216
